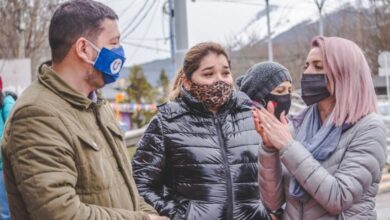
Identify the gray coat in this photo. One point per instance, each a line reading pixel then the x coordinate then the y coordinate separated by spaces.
pixel 342 187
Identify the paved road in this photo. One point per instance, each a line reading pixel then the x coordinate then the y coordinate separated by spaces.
pixel 383 206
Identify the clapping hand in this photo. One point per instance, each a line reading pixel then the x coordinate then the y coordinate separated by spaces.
pixel 275 133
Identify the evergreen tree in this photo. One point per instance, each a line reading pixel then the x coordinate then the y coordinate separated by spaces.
pixel 163 84
pixel 140 91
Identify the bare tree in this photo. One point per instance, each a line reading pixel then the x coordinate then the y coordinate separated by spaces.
pixel 25 28
pixel 378 30
pixel 293 53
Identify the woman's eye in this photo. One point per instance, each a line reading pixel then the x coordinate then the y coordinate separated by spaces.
pixel 208 74
pixel 227 73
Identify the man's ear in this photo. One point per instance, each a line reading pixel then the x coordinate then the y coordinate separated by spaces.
pixel 186 83
pixel 83 51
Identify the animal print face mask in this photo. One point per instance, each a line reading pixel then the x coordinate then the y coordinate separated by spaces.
pixel 212 96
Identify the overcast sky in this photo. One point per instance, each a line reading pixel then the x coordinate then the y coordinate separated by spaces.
pixel 208 20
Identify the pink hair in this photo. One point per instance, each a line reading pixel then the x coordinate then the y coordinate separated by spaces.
pixel 349 78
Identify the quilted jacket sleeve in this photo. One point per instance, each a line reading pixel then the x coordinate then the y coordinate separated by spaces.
pixel 149 170
pixel 360 167
pixel 270 178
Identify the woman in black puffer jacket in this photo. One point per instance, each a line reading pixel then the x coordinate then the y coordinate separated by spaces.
pixel 198 158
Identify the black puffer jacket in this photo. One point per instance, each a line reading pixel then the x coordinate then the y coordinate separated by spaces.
pixel 193 165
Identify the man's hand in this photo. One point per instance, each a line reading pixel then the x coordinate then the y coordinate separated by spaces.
pixel 156 217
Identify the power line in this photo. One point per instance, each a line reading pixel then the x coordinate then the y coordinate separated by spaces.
pixel 135 16
pixel 148 39
pixel 145 47
pixel 140 21
pixel 146 30
pixel 127 8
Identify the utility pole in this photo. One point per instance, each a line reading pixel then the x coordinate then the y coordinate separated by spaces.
pixel 320 5
pixel 172 37
pixel 359 23
pixel 181 31
pixel 270 52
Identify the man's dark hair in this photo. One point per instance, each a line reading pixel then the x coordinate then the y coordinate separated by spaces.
pixel 75 19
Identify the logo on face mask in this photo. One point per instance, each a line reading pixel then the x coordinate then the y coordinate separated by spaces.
pixel 116 66
pixel 109 62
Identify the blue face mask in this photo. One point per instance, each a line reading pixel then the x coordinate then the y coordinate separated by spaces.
pixel 109 62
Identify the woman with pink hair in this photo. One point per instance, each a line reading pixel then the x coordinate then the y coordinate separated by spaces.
pixel 326 162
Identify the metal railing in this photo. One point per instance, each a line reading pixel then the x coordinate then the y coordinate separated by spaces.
pixel 132 137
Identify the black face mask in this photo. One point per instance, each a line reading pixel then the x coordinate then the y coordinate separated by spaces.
pixel 314 88
pixel 280 102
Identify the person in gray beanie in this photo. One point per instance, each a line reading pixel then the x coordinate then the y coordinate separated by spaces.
pixel 265 82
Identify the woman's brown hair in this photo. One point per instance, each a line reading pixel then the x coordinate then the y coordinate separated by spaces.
pixel 195 55
pixel 192 61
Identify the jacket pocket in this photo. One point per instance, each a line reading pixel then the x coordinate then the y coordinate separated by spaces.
pixel 95 169
pixel 89 142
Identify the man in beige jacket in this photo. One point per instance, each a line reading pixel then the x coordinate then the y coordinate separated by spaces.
pixel 64 153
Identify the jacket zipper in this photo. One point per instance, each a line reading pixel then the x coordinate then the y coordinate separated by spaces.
pixel 227 169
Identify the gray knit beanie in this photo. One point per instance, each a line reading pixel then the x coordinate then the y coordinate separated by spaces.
pixel 262 78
